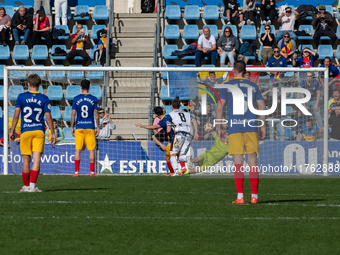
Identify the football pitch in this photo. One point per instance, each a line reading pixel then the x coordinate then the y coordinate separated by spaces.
pixel 169 215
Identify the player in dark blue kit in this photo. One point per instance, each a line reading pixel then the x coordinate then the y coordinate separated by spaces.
pixel 165 123
pixel 86 107
pixel 242 134
pixel 32 106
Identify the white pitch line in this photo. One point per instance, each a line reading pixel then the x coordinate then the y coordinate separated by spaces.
pixel 177 218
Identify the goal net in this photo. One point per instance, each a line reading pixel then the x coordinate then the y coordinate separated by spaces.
pixel 295 141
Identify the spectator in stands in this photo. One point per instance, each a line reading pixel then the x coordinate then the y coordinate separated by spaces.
pixel 63 5
pixel 5 25
pixel 249 11
pixel 228 46
pixel 306 60
pixel 105 125
pixel 21 24
pixel 334 122
pixel 277 60
pixel 300 120
pixel 287 21
pixel 313 86
pixel 59 134
pixel 47 8
pixel 322 24
pixel 268 41
pixel 41 28
pixel 78 40
pixel 100 53
pixel 332 71
pixel 309 132
pixel 334 102
pixel 206 46
pixel 231 11
pixel 287 46
pixel 267 8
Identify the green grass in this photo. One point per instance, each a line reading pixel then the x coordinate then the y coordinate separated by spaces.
pixel 162 215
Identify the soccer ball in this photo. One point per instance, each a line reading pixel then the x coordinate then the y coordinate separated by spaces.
pixel 208 127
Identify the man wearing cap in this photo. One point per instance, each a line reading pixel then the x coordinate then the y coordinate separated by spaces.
pixel 322 24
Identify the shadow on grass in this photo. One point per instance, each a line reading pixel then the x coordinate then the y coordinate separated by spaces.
pixel 85 189
pixel 291 201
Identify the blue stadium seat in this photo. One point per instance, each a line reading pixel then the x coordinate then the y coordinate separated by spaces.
pixel 9 10
pixel 207 65
pixel 167 108
pixel 233 28
pixel 164 94
pixel 92 50
pixel 56 75
pixel 63 47
pixel 75 75
pixel 11 110
pixel 14 91
pixel 1 92
pixel 41 73
pixel 94 30
pixel 72 91
pixel 39 52
pixel 168 49
pixel 338 31
pixel 100 12
pixel 248 32
pixel 338 52
pixel 40 90
pixel 67 31
pixel 171 32
pixel 18 75
pixel 329 8
pixel 96 90
pixel 289 74
pixel 20 52
pixel 55 92
pixel 95 75
pixel 2 72
pixel 325 51
pixel 1 116
pixel 338 13
pixel 272 30
pixel 302 46
pixel 308 29
pixel 86 30
pixel 4 52
pixel 213 30
pixel 211 12
pixel 172 12
pixel 68 135
pixel 67 113
pixel 192 12
pixel 55 113
pixel 190 32
pixel 79 10
pixel 187 57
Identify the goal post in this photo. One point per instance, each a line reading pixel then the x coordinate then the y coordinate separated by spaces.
pixel 131 71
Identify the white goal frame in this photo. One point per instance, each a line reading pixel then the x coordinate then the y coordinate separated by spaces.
pixel 162 69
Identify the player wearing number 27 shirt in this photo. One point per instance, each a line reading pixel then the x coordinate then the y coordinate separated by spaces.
pixel 32 106
pixel 85 106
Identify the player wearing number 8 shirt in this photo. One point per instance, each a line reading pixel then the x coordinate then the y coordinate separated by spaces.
pixel 243 133
pixel 86 107
pixel 32 106
pixel 180 145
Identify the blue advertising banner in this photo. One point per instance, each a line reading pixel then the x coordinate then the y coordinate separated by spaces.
pixel 276 157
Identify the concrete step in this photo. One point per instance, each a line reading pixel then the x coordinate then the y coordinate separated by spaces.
pixel 129 116
pixel 135 22
pixel 143 53
pixel 135 62
pixel 135 15
pixel 130 81
pixel 129 137
pixel 134 43
pixel 127 126
pixel 135 31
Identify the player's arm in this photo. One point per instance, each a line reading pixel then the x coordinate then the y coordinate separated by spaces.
pixel 96 115
pixel 195 126
pixel 150 127
pixel 159 143
pixel 219 116
pixel 318 95
pixel 50 125
pixel 14 123
pixel 73 117
pixel 262 106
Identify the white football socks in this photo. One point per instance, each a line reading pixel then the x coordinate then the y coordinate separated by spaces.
pixel 254 195
pixel 239 195
pixel 32 185
pixel 174 164
pixel 183 158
